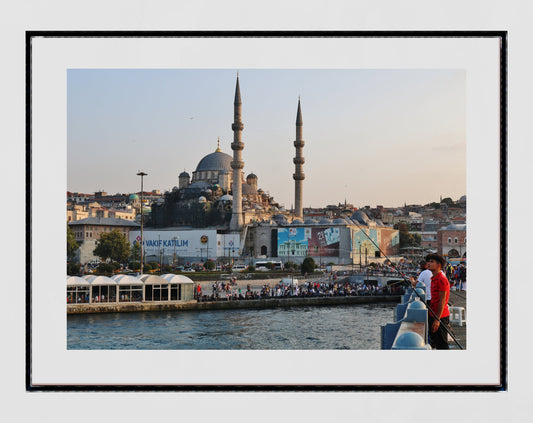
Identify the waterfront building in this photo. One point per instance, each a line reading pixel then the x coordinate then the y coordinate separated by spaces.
pixel 88 231
pixel 451 241
pixel 91 289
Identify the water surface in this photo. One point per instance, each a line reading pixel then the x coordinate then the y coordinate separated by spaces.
pixel 295 328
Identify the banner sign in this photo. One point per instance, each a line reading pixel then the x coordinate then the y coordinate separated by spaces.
pixel 201 243
pixel 314 242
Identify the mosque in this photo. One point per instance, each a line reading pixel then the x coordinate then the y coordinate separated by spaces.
pixel 220 213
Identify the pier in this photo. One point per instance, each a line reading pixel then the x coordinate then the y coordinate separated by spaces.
pixel 227 305
pixel 458 299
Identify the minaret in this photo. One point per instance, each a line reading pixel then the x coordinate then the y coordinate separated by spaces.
pixel 237 164
pixel 298 175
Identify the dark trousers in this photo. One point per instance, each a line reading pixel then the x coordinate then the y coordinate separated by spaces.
pixel 439 339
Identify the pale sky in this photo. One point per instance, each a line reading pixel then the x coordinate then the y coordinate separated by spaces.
pixel 372 137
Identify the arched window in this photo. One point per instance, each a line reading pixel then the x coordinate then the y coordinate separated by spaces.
pixel 263 250
pixel 449 240
pixel 453 253
pixel 455 240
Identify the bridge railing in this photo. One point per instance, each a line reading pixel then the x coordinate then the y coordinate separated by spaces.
pixel 409 331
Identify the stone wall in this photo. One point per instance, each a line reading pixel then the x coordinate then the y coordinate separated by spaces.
pixel 226 305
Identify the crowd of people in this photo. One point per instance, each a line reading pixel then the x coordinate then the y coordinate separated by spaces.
pixel 456 276
pixel 227 292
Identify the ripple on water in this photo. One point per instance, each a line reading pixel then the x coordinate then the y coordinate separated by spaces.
pixel 340 327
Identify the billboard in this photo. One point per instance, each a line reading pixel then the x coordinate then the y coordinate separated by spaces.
pixel 314 242
pixel 200 243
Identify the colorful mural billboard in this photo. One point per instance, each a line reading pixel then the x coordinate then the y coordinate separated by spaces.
pixel 314 242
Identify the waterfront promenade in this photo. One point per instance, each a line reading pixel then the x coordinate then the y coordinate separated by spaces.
pixel 227 305
pixel 458 299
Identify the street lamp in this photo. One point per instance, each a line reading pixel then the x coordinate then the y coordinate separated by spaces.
pixel 174 260
pixel 142 174
pixel 159 244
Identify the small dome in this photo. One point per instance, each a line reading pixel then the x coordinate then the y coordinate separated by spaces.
pixel 251 176
pixel 310 221
pixel 462 199
pixel 325 221
pixel 409 341
pixel 280 219
pixel 184 175
pixel 360 218
pixel 202 199
pixel 134 197
pixel 174 189
pixel 297 222
pixel 340 221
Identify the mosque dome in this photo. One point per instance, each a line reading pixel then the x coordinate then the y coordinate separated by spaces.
pixel 297 222
pixel 184 175
pixel 215 161
pixel 251 176
pixel 134 197
pixel 280 219
pixel 310 221
pixel 325 221
pixel 360 218
pixel 462 199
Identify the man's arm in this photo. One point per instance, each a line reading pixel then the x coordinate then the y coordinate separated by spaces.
pixel 440 309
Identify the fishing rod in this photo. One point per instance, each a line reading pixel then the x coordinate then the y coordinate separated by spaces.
pixel 405 280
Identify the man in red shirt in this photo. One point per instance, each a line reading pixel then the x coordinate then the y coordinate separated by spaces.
pixel 440 293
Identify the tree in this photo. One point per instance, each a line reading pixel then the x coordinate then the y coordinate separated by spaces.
pixel 72 245
pixel 308 265
pixel 408 239
pixel 113 245
pixel 105 268
pixel 448 201
pixel 73 269
pixel 135 251
pixel 209 265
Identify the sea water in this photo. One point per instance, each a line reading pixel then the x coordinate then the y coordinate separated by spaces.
pixel 352 327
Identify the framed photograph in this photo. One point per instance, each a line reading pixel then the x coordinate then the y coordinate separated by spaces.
pixel 389 119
